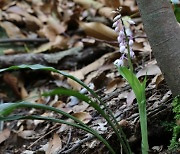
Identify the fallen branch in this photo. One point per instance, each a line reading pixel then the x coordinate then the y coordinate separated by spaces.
pixel 25 40
pixel 32 58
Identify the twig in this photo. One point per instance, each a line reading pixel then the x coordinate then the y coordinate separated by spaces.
pixel 68 141
pixel 25 40
pixel 32 58
pixel 42 137
pixel 90 137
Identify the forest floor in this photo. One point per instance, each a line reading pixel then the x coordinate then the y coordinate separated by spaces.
pixel 76 36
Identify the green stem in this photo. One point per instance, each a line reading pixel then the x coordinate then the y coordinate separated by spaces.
pixel 143 123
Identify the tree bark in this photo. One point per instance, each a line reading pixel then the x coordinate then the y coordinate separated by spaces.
pixel 163 33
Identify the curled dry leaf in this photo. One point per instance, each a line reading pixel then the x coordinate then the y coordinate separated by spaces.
pixel 16 84
pixel 83 116
pixel 156 81
pixel 98 30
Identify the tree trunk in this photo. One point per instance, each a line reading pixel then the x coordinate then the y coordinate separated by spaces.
pixel 163 33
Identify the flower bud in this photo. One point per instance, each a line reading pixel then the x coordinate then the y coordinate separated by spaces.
pixel 122 49
pixel 121 44
pixel 117 17
pixel 115 24
pixel 121 33
pixel 131 42
pixel 118 62
pixel 131 22
pixel 128 32
pixel 117 29
pixel 132 54
pixel 119 39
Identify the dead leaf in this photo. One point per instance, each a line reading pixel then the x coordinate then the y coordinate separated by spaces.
pixel 16 84
pixel 80 107
pixel 149 70
pixel 4 135
pixel 12 30
pixel 65 127
pixel 89 3
pixel 83 116
pixel 85 70
pixel 130 98
pixel 60 42
pixel 55 145
pixel 113 85
pixel 123 123
pixel 98 30
pixel 111 3
pixel 78 74
pixel 107 12
pixel 28 134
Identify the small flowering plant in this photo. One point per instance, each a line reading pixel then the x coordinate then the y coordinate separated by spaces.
pixel 125 40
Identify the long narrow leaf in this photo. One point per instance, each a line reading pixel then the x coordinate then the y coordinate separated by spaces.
pixel 33 117
pixel 122 138
pixel 83 97
pixel 133 81
pixel 7 108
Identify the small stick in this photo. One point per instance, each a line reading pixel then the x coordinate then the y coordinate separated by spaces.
pixel 25 40
pixel 90 137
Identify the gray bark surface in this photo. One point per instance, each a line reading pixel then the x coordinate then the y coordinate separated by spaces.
pixel 163 33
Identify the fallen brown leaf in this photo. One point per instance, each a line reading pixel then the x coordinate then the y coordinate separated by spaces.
pixel 83 116
pixel 98 30
pixel 55 145
pixel 89 3
pixel 4 135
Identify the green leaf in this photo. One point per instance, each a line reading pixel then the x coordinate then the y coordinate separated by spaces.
pixel 138 88
pixel 177 12
pixel 33 117
pixel 7 108
pixel 117 129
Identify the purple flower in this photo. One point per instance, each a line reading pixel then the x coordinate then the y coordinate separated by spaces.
pixel 124 34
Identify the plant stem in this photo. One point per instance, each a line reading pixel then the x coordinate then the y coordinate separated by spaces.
pixel 143 123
